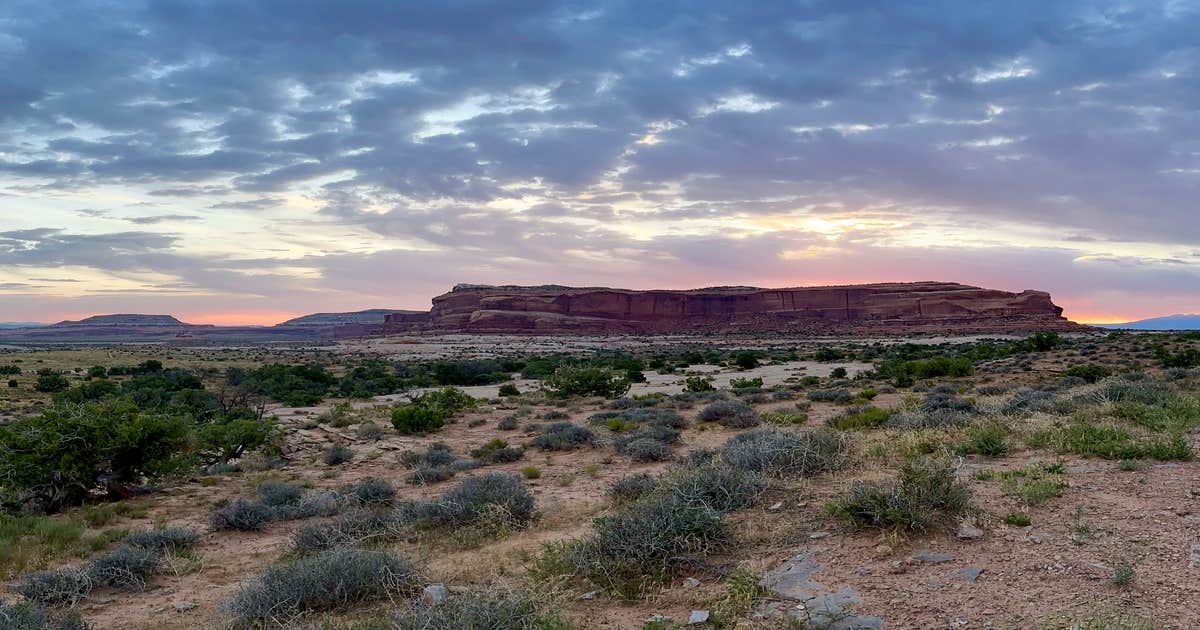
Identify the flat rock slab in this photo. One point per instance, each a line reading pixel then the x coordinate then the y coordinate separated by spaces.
pixel 818 606
pixel 966 574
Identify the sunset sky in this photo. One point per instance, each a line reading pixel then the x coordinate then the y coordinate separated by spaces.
pixel 240 161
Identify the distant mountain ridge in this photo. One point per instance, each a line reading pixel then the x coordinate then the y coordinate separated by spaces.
pixel 125 319
pixel 21 324
pixel 128 327
pixel 369 316
pixel 1167 322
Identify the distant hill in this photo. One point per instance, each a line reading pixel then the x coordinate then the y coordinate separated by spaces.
pixel 125 320
pixel 1169 322
pixel 20 324
pixel 369 316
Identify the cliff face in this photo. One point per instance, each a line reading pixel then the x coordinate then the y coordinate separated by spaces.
pixel 869 308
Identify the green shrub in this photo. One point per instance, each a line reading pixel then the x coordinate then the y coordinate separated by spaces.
pixel 50 381
pixel 429 411
pixel 1123 574
pixel 745 360
pixel 531 472
pixel 926 494
pixel 332 580
pixel 586 381
pixel 1017 519
pixel 861 417
pixel 450 400
pixel 1034 484
pixel 232 435
pixel 1089 372
pixel 508 389
pixel 1184 358
pixel 414 419
pixel 838 372
pixel 1110 441
pixel 57 458
pixel 1177 415
pixel 292 385
pixel 987 438
pixel 746 383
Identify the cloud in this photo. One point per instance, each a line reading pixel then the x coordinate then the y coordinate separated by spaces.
pixel 597 140
pixel 162 218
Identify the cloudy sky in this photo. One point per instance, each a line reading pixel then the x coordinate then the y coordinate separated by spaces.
pixel 242 161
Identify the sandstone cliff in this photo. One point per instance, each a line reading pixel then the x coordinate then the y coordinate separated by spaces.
pixel 870 308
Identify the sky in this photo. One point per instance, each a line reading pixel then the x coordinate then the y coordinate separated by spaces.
pixel 243 161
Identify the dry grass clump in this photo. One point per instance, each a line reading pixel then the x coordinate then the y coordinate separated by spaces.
pixel 331 580
pixel 734 414
pixel 479 609
pixel 778 452
pixel 671 526
pixel 128 567
pixel 926 494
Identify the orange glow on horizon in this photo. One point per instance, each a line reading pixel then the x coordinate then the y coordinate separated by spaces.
pixel 240 318
pixel 1106 318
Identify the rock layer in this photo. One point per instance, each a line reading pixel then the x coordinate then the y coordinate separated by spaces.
pixel 868 308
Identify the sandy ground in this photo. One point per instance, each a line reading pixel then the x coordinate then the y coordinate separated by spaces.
pixel 1059 568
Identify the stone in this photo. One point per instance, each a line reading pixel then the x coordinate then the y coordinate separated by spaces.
pixel 967 531
pixel 690 583
pixel 657 618
pixel 184 606
pixel 817 535
pixel 1194 557
pixel 817 607
pixel 967 574
pixel 589 595
pixel 698 617
pixel 938 307
pixel 775 506
pixel 433 595
pixel 925 555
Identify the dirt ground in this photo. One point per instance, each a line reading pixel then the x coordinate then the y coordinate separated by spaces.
pixel 1054 572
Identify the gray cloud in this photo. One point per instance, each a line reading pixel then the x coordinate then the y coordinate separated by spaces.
pixel 413 121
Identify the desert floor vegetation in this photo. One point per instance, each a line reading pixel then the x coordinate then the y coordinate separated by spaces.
pixel 1043 482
